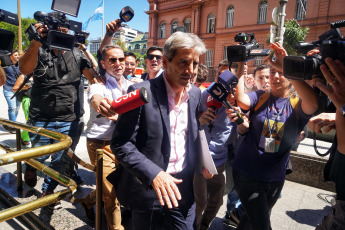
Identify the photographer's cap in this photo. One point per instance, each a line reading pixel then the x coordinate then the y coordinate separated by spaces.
pixel 228 80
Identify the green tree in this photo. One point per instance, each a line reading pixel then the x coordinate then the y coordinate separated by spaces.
pixel 141 59
pixel 25 24
pixel 121 43
pixel 293 33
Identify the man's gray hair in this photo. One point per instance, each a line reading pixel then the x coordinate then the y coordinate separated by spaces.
pixel 181 40
pixel 108 47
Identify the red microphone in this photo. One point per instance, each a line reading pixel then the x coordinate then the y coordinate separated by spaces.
pixel 130 101
pixel 215 105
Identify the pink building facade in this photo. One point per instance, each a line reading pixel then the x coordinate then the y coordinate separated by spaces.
pixel 217 22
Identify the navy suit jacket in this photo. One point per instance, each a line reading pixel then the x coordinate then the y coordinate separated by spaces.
pixel 141 142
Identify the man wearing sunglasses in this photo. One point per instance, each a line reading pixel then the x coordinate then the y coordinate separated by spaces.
pixel 100 129
pixel 157 144
pixel 153 62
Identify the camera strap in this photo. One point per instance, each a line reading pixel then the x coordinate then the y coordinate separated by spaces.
pixel 15 71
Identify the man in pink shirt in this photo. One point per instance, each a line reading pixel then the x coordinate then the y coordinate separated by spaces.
pixel 157 144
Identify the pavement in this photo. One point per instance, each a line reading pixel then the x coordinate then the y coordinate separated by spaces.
pixel 299 208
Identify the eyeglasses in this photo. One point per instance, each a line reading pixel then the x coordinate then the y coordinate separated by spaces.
pixel 113 60
pixel 151 57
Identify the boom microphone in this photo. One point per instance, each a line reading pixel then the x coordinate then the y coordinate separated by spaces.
pixel 215 105
pixel 219 93
pixel 130 101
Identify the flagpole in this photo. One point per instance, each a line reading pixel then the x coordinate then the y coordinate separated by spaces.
pixel 103 21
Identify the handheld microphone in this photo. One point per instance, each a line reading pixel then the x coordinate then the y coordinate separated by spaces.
pixel 130 101
pixel 215 105
pixel 126 14
pixel 228 80
pixel 219 93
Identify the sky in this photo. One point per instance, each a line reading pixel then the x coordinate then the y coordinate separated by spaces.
pixel 112 9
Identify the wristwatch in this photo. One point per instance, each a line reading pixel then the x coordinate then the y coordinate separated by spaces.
pixel 343 110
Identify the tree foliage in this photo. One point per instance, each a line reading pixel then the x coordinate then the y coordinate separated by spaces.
pixel 25 24
pixel 293 33
pixel 121 43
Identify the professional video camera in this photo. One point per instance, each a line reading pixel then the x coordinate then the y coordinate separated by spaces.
pixel 248 49
pixel 56 39
pixel 6 36
pixel 331 44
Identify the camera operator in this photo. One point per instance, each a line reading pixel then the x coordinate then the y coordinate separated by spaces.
pixel 335 77
pixel 54 98
pixel 264 153
pixel 2 76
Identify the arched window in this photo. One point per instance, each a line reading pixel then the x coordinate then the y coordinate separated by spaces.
pixel 211 23
pixel 137 46
pixel 301 9
pixel 230 17
pixel 162 29
pixel 174 24
pixel 262 13
pixel 187 25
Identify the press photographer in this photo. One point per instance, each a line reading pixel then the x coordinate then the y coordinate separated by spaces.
pixel 55 96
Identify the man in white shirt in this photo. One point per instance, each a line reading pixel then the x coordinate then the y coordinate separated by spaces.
pixel 100 128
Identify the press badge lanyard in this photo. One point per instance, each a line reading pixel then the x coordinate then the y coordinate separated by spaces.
pixel 274 126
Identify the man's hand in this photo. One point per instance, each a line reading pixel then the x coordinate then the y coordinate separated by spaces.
pixel 105 108
pixel 165 186
pixel 323 122
pixel 113 26
pixel 207 175
pixel 99 79
pixel 207 116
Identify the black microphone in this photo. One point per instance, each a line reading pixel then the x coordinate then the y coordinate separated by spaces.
pixel 130 101
pixel 215 105
pixel 219 93
pixel 126 14
pixel 228 80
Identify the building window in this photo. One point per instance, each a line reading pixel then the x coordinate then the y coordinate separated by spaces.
pixel 225 56
pixel 137 47
pixel 162 29
pixel 187 25
pixel 209 58
pixel 211 23
pixel 262 12
pixel 301 9
pixel 259 60
pixel 174 24
pixel 144 47
pixel 129 47
pixel 230 17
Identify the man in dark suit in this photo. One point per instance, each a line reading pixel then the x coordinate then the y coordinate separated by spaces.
pixel 157 144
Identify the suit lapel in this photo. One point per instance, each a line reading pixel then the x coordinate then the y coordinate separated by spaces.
pixel 161 96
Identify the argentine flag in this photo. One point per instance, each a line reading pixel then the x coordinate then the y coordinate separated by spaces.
pixel 97 15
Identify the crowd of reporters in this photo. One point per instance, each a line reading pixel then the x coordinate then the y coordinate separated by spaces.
pixel 258 166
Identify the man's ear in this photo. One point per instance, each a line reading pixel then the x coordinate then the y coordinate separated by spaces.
pixel 102 64
pixel 165 62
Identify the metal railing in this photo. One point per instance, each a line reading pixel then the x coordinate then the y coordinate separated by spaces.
pixel 64 141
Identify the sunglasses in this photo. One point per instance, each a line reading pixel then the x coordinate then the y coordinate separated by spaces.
pixel 151 57
pixel 113 60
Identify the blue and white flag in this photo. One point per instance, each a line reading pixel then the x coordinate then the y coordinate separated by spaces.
pixel 97 15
